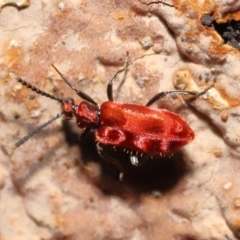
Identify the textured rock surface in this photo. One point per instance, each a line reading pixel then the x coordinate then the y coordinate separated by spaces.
pixel 55 187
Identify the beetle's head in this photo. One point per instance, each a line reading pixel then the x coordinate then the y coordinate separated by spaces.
pixel 68 108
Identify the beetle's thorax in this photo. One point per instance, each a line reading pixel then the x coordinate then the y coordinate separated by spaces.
pixel 86 114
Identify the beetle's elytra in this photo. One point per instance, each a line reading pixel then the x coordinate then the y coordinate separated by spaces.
pixel 139 129
pixel 142 129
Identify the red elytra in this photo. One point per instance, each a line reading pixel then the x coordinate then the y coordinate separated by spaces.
pixel 139 129
pixel 142 129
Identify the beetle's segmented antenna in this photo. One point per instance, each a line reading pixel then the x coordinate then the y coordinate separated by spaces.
pixel 36 130
pixel 38 91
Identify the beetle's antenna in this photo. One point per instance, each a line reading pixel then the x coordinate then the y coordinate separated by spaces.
pixel 34 89
pixel 79 93
pixel 36 130
pixel 45 94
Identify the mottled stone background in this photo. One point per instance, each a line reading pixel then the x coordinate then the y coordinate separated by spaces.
pixel 55 187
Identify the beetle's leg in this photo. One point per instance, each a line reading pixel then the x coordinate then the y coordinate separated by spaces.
pixel 79 93
pixel 163 94
pixel 137 161
pixel 112 160
pixel 84 133
pixel 109 86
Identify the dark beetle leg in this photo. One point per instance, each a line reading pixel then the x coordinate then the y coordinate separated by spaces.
pixel 84 133
pixel 110 83
pixel 163 94
pixel 112 160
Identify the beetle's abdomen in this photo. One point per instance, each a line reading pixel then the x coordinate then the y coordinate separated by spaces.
pixel 142 129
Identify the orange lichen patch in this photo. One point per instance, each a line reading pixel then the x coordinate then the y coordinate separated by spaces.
pixel 121 16
pixel 183 79
pixel 60 221
pixel 197 36
pixel 192 6
pixel 22 95
pixel 232 101
pixel 216 100
pixel 53 142
pixel 236 223
pixel 217 46
pixel 222 18
pixel 218 49
pixel 217 153
pixel 13 53
pixel 216 105
pixel 4 72
pixel 208 6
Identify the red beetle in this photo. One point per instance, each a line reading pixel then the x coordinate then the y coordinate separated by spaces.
pixel 141 130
